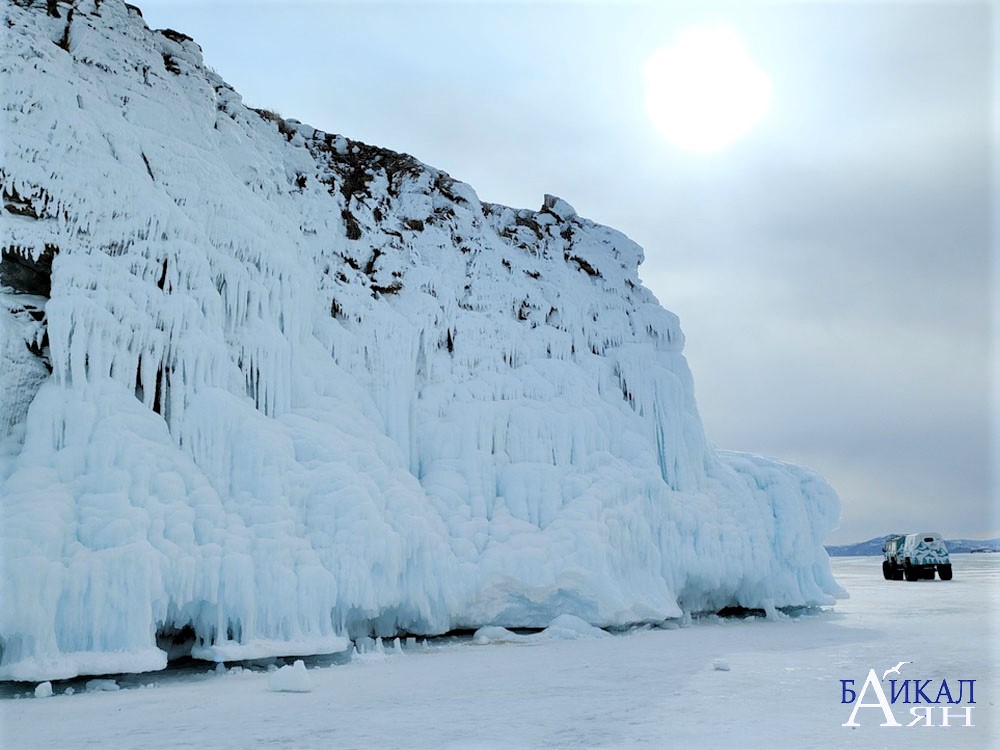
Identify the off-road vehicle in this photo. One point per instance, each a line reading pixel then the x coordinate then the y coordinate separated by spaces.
pixel 915 556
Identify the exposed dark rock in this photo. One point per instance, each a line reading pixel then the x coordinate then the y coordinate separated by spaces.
pixel 267 114
pixel 583 264
pixel 353 228
pixel 170 63
pixel 370 266
pixel 64 40
pixel 175 36
pixel 393 288
pixel 26 275
pixel 357 163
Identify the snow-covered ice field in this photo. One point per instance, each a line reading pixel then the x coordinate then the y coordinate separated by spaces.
pixel 654 688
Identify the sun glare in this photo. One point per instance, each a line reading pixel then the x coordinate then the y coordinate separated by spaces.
pixel 704 91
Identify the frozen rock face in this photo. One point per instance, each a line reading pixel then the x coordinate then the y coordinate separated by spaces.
pixel 263 388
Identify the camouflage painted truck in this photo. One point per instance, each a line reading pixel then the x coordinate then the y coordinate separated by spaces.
pixel 915 556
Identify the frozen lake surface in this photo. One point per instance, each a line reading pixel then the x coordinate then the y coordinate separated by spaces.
pixel 653 688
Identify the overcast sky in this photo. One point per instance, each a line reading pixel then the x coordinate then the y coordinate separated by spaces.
pixel 832 270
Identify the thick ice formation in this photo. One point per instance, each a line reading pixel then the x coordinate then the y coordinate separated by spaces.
pixel 263 388
pixel 292 678
pixel 562 628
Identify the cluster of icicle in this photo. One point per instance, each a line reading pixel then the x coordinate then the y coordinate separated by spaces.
pixel 283 388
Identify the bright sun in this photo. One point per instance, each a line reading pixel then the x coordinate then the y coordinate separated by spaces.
pixel 705 91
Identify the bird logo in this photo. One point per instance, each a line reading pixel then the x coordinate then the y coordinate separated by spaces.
pixel 895 669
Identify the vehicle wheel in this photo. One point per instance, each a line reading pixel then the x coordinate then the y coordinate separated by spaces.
pixel 945 572
pixel 886 570
pixel 910 572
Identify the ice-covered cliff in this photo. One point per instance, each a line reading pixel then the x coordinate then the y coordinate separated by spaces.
pixel 263 388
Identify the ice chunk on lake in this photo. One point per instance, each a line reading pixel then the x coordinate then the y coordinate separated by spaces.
pixel 290 679
pixel 571 627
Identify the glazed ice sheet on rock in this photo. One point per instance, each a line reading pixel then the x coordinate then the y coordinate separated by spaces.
pixel 303 389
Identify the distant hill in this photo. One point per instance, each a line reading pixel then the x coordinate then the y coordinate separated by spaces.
pixel 874 546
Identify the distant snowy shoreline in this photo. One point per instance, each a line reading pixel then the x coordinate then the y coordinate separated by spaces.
pixel 873 546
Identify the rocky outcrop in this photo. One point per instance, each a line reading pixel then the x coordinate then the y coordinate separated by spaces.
pixel 303 388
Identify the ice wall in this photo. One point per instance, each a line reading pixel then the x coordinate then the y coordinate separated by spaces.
pixel 263 388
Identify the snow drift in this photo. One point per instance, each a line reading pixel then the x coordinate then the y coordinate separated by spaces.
pixel 264 388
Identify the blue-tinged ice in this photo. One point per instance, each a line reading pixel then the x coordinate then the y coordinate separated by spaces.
pixel 304 390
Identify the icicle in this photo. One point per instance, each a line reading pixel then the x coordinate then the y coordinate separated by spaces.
pixel 485 430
